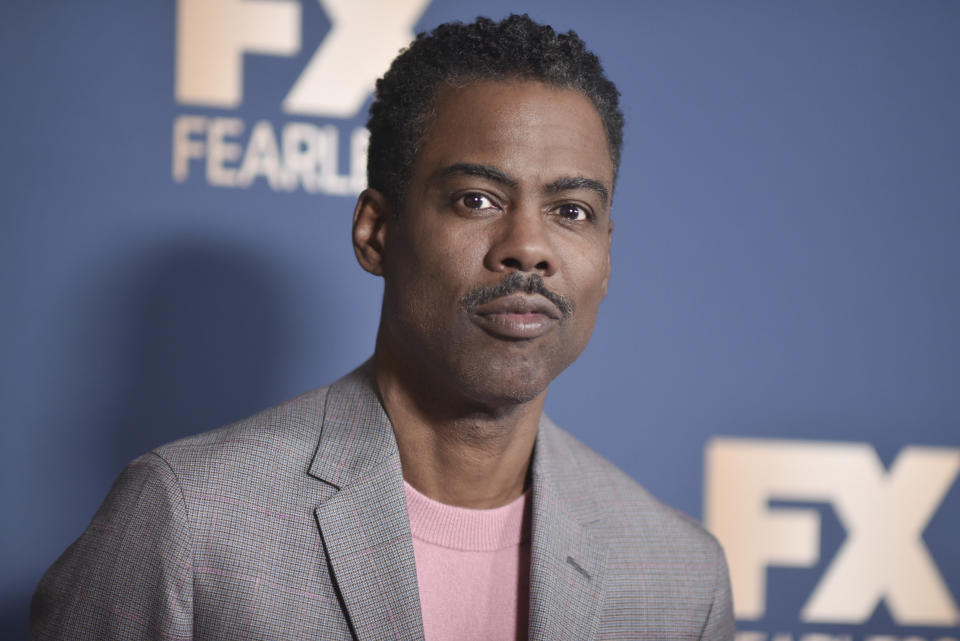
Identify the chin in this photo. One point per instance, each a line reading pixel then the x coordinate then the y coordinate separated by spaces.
pixel 506 384
pixel 503 396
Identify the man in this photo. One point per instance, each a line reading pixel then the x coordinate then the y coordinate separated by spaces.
pixel 425 493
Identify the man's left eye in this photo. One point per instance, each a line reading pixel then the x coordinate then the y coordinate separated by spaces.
pixel 474 200
pixel 569 211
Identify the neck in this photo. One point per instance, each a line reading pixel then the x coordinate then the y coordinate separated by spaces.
pixel 454 450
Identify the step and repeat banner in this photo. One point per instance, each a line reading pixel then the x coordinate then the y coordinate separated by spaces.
pixel 778 354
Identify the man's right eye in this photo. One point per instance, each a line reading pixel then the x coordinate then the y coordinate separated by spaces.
pixel 476 200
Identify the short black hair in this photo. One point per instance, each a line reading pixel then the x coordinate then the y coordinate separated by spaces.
pixel 455 54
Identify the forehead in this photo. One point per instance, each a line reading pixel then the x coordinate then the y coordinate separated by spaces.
pixel 532 131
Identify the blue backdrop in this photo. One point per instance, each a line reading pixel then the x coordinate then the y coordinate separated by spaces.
pixel 784 290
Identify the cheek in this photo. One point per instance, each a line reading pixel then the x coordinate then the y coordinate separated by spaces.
pixel 431 275
pixel 454 261
pixel 588 269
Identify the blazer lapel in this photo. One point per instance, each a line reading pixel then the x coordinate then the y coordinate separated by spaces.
pixel 364 525
pixel 568 566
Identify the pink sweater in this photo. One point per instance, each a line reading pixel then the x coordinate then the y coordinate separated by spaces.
pixel 473 569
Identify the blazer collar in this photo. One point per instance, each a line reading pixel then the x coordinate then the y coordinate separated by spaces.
pixel 568 563
pixel 355 435
pixel 365 527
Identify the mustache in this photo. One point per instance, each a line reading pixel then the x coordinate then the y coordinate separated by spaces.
pixel 513 283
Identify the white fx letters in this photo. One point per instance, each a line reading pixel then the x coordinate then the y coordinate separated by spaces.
pixel 366 35
pixel 883 556
pixel 213 35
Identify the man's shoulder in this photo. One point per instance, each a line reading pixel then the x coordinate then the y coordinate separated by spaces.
pixel 615 505
pixel 275 437
pixel 654 552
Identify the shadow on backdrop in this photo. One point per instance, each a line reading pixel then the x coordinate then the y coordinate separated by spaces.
pixel 206 348
pixel 196 336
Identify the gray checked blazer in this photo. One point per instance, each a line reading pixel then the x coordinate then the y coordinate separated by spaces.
pixel 293 524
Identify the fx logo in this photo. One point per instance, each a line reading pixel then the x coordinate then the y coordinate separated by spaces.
pixel 214 35
pixel 884 514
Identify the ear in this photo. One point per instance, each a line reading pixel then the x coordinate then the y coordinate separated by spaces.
pixel 370 218
pixel 606 278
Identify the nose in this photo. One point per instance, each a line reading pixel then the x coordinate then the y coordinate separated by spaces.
pixel 523 244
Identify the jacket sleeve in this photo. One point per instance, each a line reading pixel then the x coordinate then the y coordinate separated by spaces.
pixel 720 625
pixel 130 574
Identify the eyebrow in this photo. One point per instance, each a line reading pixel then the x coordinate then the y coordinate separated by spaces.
pixel 574 183
pixel 480 171
pixel 567 183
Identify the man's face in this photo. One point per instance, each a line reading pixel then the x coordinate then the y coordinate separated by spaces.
pixel 495 267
